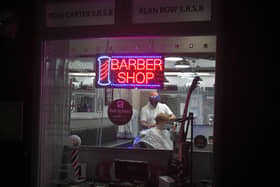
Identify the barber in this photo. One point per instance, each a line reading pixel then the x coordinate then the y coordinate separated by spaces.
pixel 152 109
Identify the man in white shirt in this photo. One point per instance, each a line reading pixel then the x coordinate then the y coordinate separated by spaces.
pixel 152 109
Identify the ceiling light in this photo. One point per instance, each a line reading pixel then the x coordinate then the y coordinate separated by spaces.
pixel 82 74
pixel 173 59
pixel 187 75
pixel 178 74
pixel 205 74
pixel 182 64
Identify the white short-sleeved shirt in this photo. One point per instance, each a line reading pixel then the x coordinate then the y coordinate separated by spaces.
pixel 149 113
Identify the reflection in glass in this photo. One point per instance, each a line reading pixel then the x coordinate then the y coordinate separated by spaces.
pixel 89 105
pixel 88 116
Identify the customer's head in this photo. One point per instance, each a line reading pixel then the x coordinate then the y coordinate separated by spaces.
pixel 154 98
pixel 161 119
pixel 76 140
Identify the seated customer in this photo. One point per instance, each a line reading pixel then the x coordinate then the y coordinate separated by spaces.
pixel 156 137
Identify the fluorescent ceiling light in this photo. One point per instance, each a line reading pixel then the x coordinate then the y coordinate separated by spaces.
pixel 173 73
pixel 182 64
pixel 83 74
pixel 187 75
pixel 205 74
pixel 177 73
pixel 173 59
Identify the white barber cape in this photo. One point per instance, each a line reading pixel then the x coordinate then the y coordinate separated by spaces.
pixel 156 138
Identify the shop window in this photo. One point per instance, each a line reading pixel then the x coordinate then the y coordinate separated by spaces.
pixel 69 86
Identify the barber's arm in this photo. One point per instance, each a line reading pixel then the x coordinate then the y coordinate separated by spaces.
pixel 145 124
pixel 172 117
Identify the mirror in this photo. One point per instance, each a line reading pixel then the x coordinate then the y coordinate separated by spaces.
pixel 88 104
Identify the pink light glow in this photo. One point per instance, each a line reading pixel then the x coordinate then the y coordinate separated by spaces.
pixel 137 64
pixel 131 70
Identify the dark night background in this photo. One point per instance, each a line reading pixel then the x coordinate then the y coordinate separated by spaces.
pixel 240 91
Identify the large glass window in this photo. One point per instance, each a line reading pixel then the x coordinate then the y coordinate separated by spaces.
pixel 72 104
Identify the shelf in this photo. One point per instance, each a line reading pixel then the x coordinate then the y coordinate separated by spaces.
pixel 84 92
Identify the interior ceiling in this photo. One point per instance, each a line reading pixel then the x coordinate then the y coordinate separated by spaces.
pixel 143 45
pixel 181 77
pixel 197 64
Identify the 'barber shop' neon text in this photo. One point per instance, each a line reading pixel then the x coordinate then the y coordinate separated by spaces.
pixel 130 71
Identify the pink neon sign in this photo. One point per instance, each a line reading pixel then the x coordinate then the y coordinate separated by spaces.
pixel 130 71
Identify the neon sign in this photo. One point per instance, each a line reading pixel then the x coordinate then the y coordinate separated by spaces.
pixel 130 71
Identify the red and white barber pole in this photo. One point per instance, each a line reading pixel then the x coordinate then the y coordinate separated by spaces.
pixel 75 157
pixel 75 163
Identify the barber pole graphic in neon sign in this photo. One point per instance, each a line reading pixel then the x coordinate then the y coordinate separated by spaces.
pixel 104 70
pixel 130 71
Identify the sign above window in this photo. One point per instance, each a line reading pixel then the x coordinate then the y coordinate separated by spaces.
pixel 86 13
pixel 163 11
pixel 130 71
